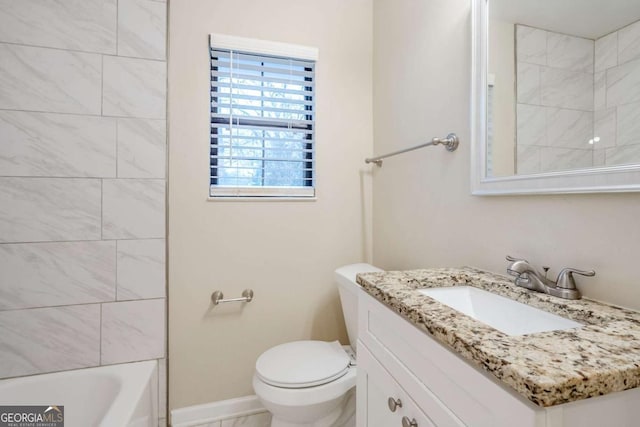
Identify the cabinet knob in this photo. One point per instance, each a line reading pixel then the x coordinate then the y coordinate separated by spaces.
pixel 394 404
pixel 406 422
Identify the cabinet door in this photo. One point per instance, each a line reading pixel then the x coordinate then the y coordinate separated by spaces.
pixel 379 387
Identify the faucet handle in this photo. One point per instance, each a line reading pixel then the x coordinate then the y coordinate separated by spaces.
pixel 512 259
pixel 566 280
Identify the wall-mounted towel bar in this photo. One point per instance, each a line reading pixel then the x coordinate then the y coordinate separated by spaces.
pixel 217 297
pixel 451 143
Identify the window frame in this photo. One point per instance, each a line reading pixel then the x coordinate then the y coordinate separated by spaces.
pixel 275 49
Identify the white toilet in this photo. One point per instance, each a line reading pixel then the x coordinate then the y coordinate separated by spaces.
pixel 312 383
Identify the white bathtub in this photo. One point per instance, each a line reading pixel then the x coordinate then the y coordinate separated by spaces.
pixel 110 396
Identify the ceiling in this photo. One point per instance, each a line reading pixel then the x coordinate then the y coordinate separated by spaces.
pixel 584 18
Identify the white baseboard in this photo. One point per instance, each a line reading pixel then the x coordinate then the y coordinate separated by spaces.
pixel 216 411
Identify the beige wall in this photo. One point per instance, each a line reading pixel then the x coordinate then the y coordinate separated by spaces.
pixel 424 214
pixel 502 66
pixel 285 251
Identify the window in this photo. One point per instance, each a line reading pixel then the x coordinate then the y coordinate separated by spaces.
pixel 491 78
pixel 262 119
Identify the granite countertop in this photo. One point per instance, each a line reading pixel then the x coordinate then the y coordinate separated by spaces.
pixel 548 368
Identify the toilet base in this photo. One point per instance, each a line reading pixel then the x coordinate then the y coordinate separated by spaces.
pixel 343 415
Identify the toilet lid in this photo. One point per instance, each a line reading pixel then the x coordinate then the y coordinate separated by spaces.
pixel 301 364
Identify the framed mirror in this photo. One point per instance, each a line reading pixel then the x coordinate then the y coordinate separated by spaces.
pixel 555 96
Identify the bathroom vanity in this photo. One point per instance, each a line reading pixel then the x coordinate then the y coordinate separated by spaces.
pixel 422 363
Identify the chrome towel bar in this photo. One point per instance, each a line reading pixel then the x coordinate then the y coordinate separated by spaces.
pixel 451 143
pixel 217 297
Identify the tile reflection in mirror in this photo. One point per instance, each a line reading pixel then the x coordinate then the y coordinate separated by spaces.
pixel 565 87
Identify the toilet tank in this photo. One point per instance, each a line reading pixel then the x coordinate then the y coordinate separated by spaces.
pixel 346 279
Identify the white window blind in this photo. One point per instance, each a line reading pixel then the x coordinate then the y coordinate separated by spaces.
pixel 491 78
pixel 262 124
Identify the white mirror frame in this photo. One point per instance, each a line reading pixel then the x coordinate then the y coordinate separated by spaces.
pixel 606 179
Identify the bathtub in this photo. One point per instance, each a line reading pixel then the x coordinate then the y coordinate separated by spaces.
pixel 109 396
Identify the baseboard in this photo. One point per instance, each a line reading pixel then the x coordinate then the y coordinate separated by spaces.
pixel 216 411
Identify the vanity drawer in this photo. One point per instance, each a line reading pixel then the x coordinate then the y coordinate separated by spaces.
pixel 376 387
pixel 411 391
pixel 436 377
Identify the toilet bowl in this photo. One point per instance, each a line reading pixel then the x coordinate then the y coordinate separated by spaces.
pixel 313 390
pixel 312 383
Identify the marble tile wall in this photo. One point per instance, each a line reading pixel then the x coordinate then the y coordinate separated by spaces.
pixel 572 90
pixel 555 101
pixel 82 185
pixel 617 104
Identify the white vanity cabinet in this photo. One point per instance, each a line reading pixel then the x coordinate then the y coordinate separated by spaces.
pixel 438 388
pixel 380 387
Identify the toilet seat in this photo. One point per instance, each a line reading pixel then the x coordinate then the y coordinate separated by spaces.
pixel 302 364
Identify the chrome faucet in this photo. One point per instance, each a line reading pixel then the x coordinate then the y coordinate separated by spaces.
pixel 528 277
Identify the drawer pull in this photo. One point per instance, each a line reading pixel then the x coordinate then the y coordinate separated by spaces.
pixel 394 404
pixel 409 423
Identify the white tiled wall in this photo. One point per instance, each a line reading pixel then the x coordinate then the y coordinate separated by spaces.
pixel 570 90
pixel 141 148
pixel 134 87
pixel 133 208
pixel 555 98
pixel 141 269
pixel 141 29
pixel 52 80
pixel 49 209
pixel 49 339
pixel 84 25
pixel 617 107
pixel 57 145
pixel 132 330
pixel 55 274
pixel 82 184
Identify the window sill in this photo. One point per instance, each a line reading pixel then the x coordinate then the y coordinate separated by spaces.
pixel 261 199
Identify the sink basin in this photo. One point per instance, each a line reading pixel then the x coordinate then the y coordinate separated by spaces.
pixel 503 314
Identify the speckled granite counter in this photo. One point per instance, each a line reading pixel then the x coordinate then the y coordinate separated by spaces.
pixel 548 368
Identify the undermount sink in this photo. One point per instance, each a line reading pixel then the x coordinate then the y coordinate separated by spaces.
pixel 503 314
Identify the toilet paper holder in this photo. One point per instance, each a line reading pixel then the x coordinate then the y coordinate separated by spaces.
pixel 217 297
